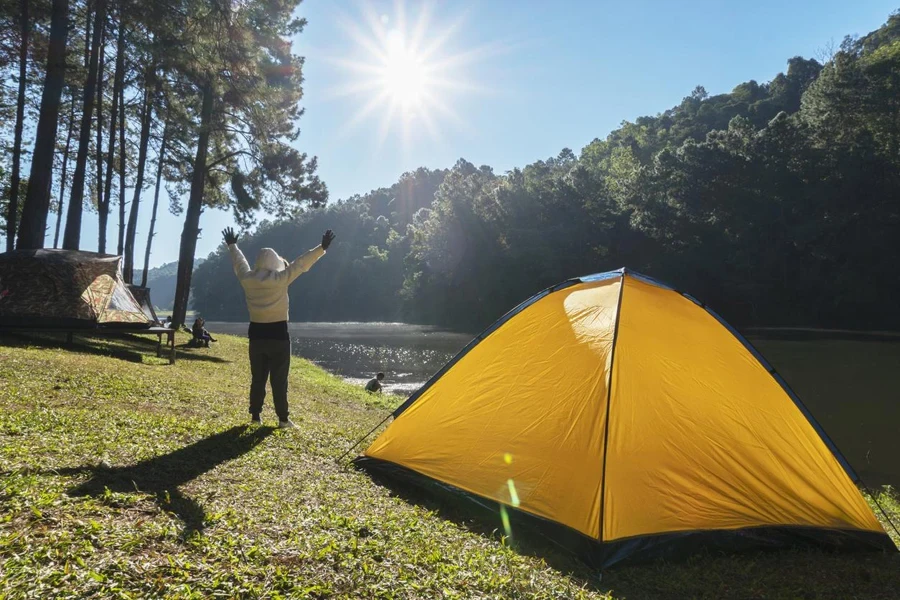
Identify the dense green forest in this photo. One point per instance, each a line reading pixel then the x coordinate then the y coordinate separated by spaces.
pixel 163 280
pixel 777 204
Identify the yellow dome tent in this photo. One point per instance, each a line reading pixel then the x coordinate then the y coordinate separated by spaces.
pixel 627 416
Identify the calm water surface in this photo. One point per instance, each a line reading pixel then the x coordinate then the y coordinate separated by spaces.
pixel 407 354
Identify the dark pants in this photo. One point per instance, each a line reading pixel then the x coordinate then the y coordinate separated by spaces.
pixel 270 359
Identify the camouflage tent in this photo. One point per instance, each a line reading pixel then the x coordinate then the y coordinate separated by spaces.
pixel 142 295
pixel 65 288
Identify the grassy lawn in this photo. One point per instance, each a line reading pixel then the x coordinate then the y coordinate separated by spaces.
pixel 125 477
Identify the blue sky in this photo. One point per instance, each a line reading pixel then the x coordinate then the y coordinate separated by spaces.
pixel 514 81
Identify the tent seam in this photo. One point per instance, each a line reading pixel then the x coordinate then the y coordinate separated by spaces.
pixel 612 360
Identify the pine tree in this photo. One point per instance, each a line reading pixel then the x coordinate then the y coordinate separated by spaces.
pixel 72 234
pixel 13 207
pixel 37 199
pixel 249 85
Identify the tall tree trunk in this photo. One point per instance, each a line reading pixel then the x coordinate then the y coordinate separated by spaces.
pixel 37 198
pixel 13 208
pixel 118 80
pixel 87 32
pixel 72 235
pixel 159 169
pixel 99 183
pixel 122 165
pixel 131 232
pixel 192 215
pixel 65 164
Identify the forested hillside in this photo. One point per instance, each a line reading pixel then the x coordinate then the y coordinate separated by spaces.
pixel 162 281
pixel 776 204
pixel 363 275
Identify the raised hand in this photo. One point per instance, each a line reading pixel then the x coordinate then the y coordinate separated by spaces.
pixel 327 238
pixel 229 235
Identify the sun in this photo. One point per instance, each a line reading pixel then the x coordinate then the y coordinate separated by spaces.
pixel 405 72
pixel 404 77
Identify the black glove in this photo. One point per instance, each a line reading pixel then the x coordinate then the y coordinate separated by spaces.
pixel 327 238
pixel 229 235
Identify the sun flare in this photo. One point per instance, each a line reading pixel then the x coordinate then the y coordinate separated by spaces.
pixel 405 76
pixel 406 73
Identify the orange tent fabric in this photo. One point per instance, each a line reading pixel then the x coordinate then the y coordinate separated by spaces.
pixel 624 410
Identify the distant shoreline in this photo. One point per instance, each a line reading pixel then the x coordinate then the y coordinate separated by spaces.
pixel 812 333
pixel 800 333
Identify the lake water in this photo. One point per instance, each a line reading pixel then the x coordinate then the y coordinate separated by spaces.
pixel 851 384
pixel 407 354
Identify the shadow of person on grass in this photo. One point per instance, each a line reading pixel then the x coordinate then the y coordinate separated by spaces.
pixel 162 475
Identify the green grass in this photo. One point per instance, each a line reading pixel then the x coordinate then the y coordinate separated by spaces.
pixel 125 477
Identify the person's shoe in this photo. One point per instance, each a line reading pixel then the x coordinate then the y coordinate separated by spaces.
pixel 255 420
pixel 286 424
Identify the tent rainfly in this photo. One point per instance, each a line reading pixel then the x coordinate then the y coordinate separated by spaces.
pixel 142 297
pixel 628 421
pixel 66 289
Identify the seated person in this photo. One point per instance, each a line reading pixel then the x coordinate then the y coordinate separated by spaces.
pixel 374 385
pixel 201 336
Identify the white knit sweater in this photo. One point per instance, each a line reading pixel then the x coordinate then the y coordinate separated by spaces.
pixel 265 286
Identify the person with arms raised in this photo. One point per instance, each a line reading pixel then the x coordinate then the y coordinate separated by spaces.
pixel 266 292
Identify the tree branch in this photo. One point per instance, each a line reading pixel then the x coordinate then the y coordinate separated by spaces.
pixel 226 157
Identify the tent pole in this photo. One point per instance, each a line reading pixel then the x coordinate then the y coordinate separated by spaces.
pixel 359 441
pixel 609 384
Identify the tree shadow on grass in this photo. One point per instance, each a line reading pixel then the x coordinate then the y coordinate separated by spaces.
pixel 808 574
pixel 113 345
pixel 162 475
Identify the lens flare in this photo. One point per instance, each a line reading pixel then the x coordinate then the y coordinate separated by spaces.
pixel 513 494
pixel 409 74
pixel 504 517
